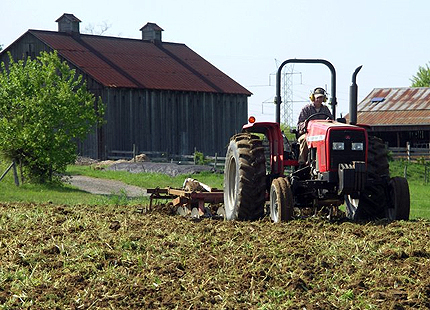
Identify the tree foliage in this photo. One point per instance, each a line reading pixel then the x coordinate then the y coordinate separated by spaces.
pixel 44 108
pixel 422 78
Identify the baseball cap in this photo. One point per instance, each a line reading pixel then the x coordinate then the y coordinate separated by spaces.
pixel 319 92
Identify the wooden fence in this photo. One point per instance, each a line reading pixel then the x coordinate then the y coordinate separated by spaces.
pixel 410 153
pixel 216 161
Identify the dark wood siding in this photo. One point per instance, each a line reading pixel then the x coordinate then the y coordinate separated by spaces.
pixel 173 122
pixel 27 46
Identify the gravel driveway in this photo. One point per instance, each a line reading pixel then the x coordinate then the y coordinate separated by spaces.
pixel 105 187
pixel 109 187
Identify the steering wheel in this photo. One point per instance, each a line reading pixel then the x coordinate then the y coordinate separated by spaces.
pixel 305 129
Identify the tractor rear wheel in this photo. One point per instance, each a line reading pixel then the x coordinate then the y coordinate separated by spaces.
pixel 281 200
pixel 244 178
pixel 377 158
pixel 372 202
pixel 400 198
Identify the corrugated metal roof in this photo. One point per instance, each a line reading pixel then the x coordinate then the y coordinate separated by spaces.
pixel 395 106
pixel 134 63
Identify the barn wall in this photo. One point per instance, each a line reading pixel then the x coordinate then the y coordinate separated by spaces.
pixel 154 120
pixel 173 122
pixel 27 46
pixel 399 136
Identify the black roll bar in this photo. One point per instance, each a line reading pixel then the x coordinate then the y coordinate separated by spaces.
pixel 333 101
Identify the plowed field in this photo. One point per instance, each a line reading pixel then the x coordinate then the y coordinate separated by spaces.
pixel 95 257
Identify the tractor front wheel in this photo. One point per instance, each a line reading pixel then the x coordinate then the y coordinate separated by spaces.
pixel 281 200
pixel 244 178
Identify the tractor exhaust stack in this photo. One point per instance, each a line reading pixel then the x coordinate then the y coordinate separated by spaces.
pixel 353 97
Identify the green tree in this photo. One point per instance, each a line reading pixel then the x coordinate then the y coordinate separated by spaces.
pixel 422 78
pixel 44 108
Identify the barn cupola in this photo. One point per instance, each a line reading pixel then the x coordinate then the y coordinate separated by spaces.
pixel 151 32
pixel 68 23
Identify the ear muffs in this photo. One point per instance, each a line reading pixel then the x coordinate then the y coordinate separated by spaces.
pixel 312 96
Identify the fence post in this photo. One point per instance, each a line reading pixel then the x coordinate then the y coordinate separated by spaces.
pixel 134 152
pixel 15 174
pixel 405 171
pixel 408 151
pixel 215 161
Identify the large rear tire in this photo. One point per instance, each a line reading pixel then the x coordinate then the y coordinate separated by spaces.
pixel 244 178
pixel 372 202
pixel 400 206
pixel 377 158
pixel 281 200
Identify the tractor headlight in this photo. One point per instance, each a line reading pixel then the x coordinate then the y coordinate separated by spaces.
pixel 338 146
pixel 357 146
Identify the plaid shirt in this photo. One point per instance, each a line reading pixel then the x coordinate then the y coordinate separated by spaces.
pixel 307 111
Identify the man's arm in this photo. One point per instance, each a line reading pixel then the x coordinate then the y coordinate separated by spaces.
pixel 304 114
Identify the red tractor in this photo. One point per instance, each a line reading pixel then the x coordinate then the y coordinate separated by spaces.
pixel 345 166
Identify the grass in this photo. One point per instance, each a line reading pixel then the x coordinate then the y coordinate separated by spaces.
pixel 147 180
pixel 66 194
pixel 419 189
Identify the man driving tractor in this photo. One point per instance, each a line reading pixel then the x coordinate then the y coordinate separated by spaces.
pixel 318 97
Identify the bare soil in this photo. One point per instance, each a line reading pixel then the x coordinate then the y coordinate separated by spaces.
pixel 113 257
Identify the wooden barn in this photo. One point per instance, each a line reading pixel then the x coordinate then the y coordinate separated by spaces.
pixel 159 96
pixel 398 115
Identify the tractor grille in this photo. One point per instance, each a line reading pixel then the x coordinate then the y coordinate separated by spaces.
pixel 347 155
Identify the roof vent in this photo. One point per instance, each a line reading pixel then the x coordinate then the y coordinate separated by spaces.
pixel 151 32
pixel 68 23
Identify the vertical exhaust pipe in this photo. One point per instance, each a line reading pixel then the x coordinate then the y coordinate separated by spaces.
pixel 353 97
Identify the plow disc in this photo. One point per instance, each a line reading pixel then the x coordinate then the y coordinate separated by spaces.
pixel 191 200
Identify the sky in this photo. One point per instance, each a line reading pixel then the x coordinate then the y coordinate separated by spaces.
pixel 247 40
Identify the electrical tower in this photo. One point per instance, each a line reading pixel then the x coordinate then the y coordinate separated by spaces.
pixel 287 95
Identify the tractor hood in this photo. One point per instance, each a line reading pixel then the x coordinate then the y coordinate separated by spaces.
pixel 316 128
pixel 336 143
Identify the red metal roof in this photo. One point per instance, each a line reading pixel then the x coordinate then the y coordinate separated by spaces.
pixel 134 63
pixel 395 106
